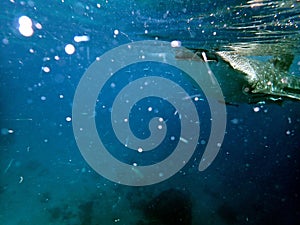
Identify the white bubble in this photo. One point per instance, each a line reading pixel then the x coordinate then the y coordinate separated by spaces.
pixel 69 49
pixel 68 119
pixel 116 32
pixel 256 109
pixel 10 131
pixel 61 96
pixel 25 27
pixel 46 69
pixel 150 109
pixel 82 38
pixel 140 149
pixel 38 26
pixel 175 44
pixel 43 98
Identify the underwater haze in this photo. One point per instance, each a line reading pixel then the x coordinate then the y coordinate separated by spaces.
pixel 51 54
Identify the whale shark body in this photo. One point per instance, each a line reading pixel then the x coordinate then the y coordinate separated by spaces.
pixel 247 80
pixel 270 80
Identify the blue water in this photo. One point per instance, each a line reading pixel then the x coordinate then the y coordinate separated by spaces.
pixel 45 180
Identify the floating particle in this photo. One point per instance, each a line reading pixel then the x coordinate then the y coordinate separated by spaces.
pixel 38 26
pixel 10 131
pixel 46 59
pixel 68 119
pixel 256 109
pixel 116 32
pixel 235 121
pixel 150 109
pixel 82 38
pixel 69 49
pixel 140 149
pixel 21 179
pixel 5 41
pixel 183 140
pixel 46 69
pixel 43 98
pixel 25 27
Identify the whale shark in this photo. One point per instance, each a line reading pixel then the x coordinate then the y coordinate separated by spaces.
pixel 265 79
pixel 245 79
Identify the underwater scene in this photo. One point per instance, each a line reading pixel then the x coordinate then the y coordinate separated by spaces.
pixel 139 112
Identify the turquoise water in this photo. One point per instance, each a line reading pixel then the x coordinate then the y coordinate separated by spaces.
pixel 44 178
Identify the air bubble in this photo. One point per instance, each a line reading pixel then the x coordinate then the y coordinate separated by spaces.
pixel 69 49
pixel 256 109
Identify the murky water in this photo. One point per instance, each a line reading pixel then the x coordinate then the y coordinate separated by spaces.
pixel 47 47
